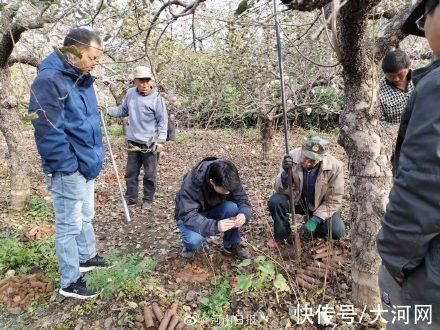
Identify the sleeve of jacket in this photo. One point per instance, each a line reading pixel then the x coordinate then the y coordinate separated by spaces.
pixel 240 197
pixel 161 119
pixel 189 206
pixel 404 121
pixel 120 111
pixel 411 221
pixel 333 198
pixel 53 145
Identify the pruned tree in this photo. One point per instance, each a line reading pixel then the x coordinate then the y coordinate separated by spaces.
pixel 365 141
pixel 15 19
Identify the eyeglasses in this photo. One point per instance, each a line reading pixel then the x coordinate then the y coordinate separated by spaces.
pixel 430 6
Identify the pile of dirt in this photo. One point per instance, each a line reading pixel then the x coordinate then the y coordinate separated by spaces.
pixel 17 291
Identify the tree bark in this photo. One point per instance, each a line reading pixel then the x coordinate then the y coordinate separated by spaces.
pixel 265 125
pixel 361 137
pixel 12 129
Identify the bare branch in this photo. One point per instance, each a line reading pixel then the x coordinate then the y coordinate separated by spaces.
pixel 391 35
pixel 28 59
pixel 307 5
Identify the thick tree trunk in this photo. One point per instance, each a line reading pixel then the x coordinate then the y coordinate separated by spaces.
pixel 370 182
pixel 12 128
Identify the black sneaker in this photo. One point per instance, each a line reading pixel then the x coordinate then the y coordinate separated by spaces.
pixel 96 262
pixel 78 290
pixel 237 251
pixel 187 254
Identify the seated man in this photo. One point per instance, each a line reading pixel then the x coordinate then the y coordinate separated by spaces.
pixel 318 187
pixel 211 200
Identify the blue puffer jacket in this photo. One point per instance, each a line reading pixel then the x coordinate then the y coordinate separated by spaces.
pixel 67 130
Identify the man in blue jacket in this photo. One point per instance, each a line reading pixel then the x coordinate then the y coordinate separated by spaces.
pixel 69 141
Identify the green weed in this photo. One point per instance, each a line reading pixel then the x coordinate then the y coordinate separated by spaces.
pixel 218 303
pixel 27 257
pixel 115 130
pixel 123 277
pixel 36 207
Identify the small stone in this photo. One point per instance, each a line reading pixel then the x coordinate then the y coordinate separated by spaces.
pixel 132 305
pixel 108 323
pixel 191 295
pixel 79 325
pixel 10 273
pixel 186 308
pixel 14 311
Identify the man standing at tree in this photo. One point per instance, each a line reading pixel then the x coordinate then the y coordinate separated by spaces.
pixel 409 240
pixel 318 187
pixel 69 141
pixel 396 87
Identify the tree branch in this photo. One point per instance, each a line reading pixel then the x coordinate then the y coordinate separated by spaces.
pixel 28 59
pixel 306 5
pixel 391 35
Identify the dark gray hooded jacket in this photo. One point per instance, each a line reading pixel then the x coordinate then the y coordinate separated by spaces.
pixel 196 197
pixel 409 240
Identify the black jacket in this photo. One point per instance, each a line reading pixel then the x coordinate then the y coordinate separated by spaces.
pixel 417 75
pixel 196 196
pixel 409 240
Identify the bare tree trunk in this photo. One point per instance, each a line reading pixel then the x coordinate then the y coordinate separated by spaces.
pixel 12 128
pixel 369 165
pixel 265 124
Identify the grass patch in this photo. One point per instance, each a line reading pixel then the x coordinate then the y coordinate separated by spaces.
pixel 124 277
pixel 28 257
pixel 37 208
pixel 115 130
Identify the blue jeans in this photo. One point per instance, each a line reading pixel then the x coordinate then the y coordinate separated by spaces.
pixel 73 202
pixel 193 240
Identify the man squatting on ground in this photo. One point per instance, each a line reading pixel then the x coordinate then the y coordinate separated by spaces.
pixel 318 188
pixel 210 201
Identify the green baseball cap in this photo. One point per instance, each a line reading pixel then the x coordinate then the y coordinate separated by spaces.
pixel 315 146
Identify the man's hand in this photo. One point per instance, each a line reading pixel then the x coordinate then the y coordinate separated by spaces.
pixel 287 163
pixel 157 147
pixel 225 224
pixel 311 225
pixel 240 220
pixel 102 109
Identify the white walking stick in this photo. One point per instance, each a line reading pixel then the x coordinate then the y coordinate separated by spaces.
pixel 124 203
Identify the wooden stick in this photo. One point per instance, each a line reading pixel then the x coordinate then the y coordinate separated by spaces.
pixel 165 321
pixel 148 317
pixel 326 254
pixel 180 325
pixel 173 308
pixel 312 273
pixel 305 284
pixel 173 322
pixel 157 312
pixel 309 279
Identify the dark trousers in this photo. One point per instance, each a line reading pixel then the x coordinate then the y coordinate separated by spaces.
pixel 135 160
pixel 279 210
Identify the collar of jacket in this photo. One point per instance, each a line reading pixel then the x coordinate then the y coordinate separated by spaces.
pixel 324 164
pixel 60 63
pixel 422 72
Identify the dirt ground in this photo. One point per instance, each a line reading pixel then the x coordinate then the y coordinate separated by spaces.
pixel 154 233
